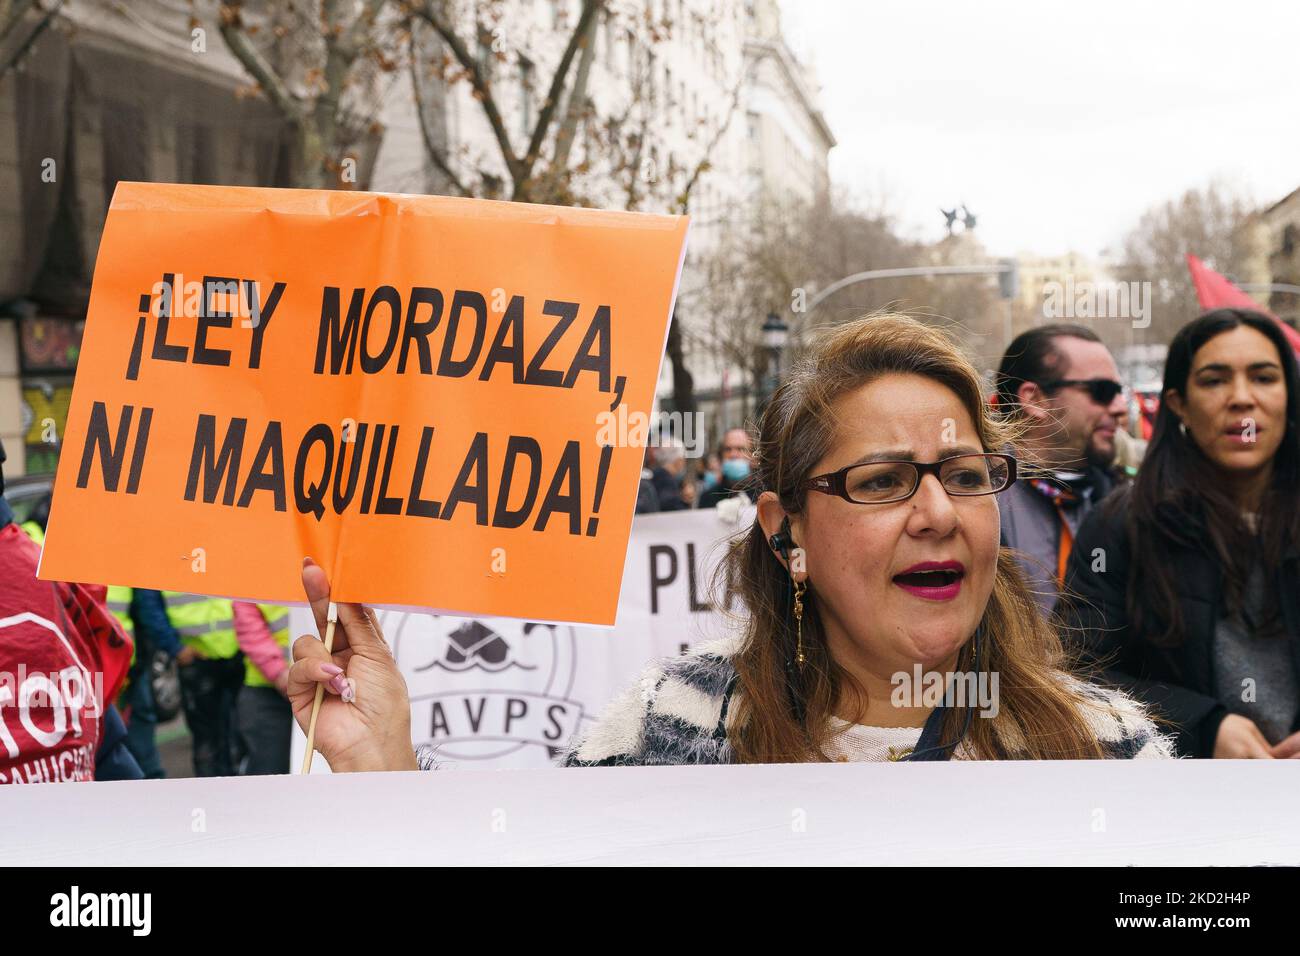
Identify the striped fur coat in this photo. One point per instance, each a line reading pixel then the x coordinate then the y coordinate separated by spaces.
pixel 679 712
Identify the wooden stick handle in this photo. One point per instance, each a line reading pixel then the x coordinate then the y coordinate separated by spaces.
pixel 332 617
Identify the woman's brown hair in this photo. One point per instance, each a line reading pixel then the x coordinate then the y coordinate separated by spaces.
pixel 1040 714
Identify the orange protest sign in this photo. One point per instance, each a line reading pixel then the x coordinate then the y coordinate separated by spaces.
pixel 415 391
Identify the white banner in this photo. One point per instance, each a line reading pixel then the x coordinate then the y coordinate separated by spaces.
pixel 495 692
pixel 972 813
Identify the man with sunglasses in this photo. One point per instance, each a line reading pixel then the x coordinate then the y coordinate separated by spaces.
pixel 1062 384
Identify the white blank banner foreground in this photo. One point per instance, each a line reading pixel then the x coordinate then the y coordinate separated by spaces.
pixel 966 813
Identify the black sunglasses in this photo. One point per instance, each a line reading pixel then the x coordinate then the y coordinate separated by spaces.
pixel 1101 390
pixel 883 482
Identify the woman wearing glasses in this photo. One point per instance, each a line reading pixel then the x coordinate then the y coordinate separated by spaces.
pixel 1186 586
pixel 883 622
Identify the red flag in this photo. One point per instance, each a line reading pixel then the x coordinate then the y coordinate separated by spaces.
pixel 1214 291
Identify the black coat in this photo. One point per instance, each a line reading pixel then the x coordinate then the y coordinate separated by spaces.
pixel 669 490
pixel 1176 683
pixel 719 492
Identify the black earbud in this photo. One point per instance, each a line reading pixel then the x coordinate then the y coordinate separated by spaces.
pixel 781 542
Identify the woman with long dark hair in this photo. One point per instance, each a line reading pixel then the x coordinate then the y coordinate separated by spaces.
pixel 881 619
pixel 1186 584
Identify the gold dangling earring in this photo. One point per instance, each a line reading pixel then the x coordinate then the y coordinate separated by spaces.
pixel 799 589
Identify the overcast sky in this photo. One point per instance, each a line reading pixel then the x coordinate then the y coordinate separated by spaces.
pixel 1057 123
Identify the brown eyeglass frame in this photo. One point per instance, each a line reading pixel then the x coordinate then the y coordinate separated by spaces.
pixel 835 482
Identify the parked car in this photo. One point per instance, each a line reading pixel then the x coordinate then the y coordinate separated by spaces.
pixel 29 496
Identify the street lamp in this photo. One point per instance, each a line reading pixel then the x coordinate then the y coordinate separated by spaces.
pixel 776 335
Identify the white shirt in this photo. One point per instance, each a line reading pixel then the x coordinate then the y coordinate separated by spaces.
pixel 859 742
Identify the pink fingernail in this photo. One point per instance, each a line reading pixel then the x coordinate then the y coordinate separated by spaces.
pixel 350 690
pixel 332 669
pixel 339 684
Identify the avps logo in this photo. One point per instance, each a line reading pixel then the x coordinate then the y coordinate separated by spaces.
pixel 483 689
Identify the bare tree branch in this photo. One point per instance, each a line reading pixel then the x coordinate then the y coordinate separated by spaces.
pixel 430 13
pixel 684 197
pixel 14 16
pixel 634 167
pixel 232 31
pixel 322 129
pixel 359 36
pixel 577 39
pixel 426 134
pixel 576 104
pixel 339 55
pixel 615 126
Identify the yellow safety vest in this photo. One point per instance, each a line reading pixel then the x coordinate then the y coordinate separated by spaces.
pixel 205 623
pixel 119 605
pixel 277 619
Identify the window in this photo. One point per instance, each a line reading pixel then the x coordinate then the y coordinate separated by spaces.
pixel 610 39
pixel 588 133
pixel 525 99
